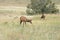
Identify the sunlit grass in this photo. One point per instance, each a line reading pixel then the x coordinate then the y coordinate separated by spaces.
pixel 48 29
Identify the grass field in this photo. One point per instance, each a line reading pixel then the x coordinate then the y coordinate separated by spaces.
pixel 10 29
pixel 48 29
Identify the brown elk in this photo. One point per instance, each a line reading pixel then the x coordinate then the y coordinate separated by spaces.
pixel 24 20
pixel 43 16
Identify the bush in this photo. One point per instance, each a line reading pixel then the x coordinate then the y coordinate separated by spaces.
pixel 30 11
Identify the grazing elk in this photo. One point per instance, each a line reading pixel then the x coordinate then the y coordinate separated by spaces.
pixel 43 16
pixel 24 20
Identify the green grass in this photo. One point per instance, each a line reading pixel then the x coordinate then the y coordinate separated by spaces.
pixel 48 29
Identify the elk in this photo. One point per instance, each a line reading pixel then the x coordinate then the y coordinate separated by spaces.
pixel 43 16
pixel 24 20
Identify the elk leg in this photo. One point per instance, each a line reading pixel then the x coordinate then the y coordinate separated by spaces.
pixel 25 22
pixel 20 22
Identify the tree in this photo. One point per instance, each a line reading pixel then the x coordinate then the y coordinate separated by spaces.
pixel 42 6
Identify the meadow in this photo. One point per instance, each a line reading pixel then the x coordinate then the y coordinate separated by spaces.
pixel 11 29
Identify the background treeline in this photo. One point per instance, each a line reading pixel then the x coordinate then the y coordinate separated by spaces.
pixel 41 6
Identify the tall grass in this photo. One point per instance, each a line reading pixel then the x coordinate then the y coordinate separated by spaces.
pixel 48 29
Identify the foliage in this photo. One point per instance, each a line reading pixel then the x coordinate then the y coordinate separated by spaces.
pixel 30 11
pixel 38 6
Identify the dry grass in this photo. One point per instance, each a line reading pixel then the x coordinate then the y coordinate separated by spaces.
pixel 48 29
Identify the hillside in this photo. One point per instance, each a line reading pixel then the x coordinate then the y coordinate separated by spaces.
pixel 56 1
pixel 14 2
pixel 19 2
